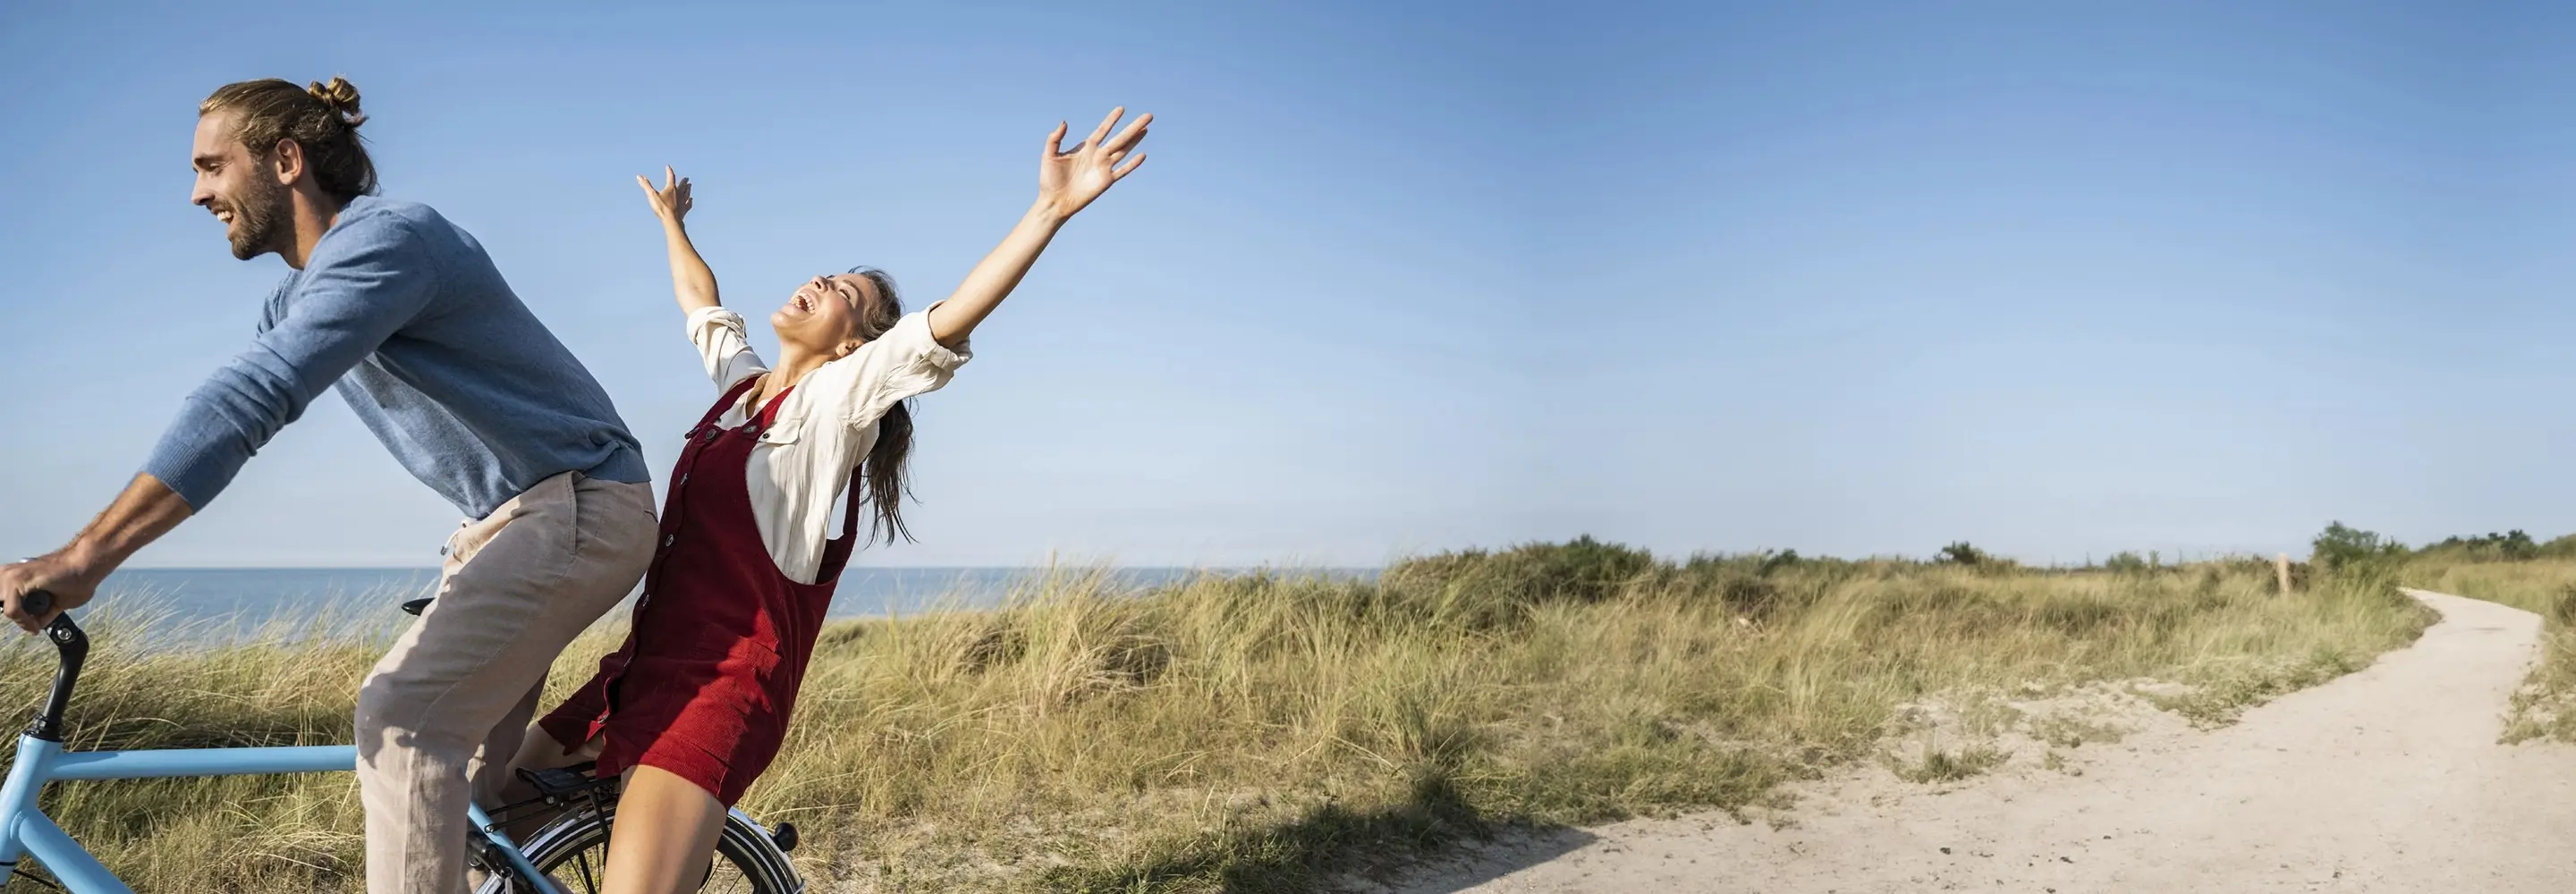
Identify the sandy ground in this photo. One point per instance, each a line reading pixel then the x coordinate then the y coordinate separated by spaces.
pixel 2385 780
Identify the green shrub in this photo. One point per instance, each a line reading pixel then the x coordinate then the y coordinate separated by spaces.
pixel 2341 547
pixel 1962 553
pixel 2511 546
pixel 1482 589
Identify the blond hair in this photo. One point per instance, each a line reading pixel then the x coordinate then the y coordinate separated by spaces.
pixel 321 118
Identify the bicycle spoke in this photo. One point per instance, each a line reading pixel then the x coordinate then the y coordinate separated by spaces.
pixel 733 878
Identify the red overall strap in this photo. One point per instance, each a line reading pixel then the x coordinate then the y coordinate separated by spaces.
pixel 731 396
pixel 769 414
pixel 836 552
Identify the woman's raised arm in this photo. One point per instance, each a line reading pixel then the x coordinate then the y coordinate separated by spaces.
pixel 690 279
pixel 1067 182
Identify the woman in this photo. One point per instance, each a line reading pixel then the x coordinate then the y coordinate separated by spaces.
pixel 693 706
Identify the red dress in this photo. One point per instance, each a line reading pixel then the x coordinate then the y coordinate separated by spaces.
pixel 704 683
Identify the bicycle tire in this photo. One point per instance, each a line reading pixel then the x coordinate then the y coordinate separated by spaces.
pixel 571 850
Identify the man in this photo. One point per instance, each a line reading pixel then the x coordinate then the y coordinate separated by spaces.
pixel 425 341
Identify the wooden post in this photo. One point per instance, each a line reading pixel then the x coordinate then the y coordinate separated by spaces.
pixel 2282 567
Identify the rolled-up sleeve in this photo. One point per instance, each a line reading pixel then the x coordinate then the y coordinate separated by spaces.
pixel 364 282
pixel 722 346
pixel 903 363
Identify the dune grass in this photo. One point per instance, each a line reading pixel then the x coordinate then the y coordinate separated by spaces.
pixel 1261 733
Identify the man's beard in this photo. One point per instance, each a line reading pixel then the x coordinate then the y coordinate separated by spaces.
pixel 259 214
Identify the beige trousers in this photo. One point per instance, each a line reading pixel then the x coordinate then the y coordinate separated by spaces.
pixel 442 714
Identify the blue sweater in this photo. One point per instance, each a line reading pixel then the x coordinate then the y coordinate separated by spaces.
pixel 428 344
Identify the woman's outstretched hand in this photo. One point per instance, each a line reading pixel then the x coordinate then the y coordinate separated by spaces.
pixel 690 279
pixel 1069 180
pixel 671 202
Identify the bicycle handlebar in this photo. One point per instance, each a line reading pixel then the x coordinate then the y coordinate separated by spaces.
pixel 36 602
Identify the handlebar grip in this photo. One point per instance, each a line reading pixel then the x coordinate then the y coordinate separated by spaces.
pixel 36 603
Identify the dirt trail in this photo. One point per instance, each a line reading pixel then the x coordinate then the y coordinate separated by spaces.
pixel 2385 780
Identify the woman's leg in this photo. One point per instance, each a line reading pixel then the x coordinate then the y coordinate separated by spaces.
pixel 665 834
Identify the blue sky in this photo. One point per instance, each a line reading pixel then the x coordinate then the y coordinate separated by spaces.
pixel 2058 282
pixel 1866 280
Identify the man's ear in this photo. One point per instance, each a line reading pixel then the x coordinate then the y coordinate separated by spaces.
pixel 288 161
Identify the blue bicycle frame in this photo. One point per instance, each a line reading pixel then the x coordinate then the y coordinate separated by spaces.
pixel 26 831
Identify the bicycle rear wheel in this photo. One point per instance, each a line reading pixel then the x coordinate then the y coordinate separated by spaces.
pixel 572 852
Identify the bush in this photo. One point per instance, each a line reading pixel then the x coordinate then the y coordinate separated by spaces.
pixel 2561 548
pixel 1964 555
pixel 1585 570
pixel 2511 546
pixel 2516 546
pixel 1787 558
pixel 1484 589
pixel 2342 547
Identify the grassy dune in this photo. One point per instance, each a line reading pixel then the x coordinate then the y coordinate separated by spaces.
pixel 1254 734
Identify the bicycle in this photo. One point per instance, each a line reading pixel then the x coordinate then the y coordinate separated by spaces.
pixel 565 850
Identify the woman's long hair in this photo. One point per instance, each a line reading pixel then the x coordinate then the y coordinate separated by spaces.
pixel 883 470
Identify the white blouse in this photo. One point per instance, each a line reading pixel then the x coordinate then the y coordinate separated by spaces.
pixel 800 471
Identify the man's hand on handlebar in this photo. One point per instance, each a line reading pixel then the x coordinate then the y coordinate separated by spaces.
pixel 145 511
pixel 70 586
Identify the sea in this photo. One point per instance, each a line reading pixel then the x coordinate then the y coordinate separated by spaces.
pixel 202 606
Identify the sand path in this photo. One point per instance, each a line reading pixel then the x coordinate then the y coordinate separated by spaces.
pixel 2385 780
